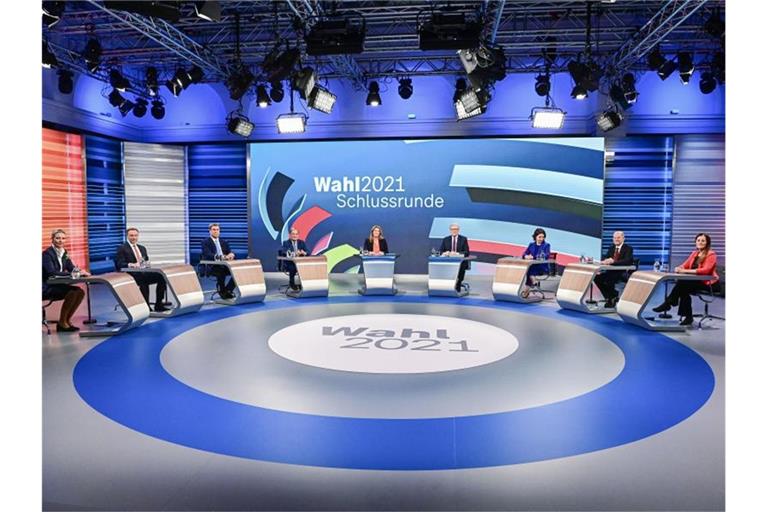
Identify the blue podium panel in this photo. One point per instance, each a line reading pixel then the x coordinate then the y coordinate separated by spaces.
pixel 379 273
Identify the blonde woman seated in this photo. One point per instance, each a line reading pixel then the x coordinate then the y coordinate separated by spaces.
pixel 56 262
pixel 375 243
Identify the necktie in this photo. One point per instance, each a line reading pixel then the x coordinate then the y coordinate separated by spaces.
pixel 136 253
pixel 295 249
pixel 616 254
pixel 453 249
pixel 218 247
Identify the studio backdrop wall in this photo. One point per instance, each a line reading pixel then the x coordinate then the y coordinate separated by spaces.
pixel 497 190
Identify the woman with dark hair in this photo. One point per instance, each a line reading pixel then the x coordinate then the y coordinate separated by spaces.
pixel 536 250
pixel 56 262
pixel 702 261
pixel 375 243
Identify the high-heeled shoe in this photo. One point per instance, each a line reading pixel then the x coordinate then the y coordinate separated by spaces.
pixel 661 308
pixel 688 320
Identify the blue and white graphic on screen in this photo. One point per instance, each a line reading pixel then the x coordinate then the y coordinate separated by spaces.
pixel 497 190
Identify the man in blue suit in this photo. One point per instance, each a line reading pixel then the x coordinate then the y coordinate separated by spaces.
pixel 213 248
pixel 453 244
pixel 298 248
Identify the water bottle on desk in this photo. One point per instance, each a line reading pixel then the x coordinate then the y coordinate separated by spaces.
pixel 656 266
pixel 582 259
pixel 76 273
pixel 434 252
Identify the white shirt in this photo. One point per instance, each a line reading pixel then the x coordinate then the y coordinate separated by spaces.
pixel 218 246
pixel 59 255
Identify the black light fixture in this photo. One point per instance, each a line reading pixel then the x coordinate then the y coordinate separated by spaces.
pixel 262 98
pixel 472 102
pixel 152 85
pixel 317 97
pixel 405 88
pixel 158 109
pixel 628 86
pixel 585 75
pixel 579 92
pixel 125 107
pixel 140 108
pixel 239 82
pixel 49 59
pixel 707 82
pixel 667 69
pixel 92 55
pixel 461 86
pixel 656 59
pixel 115 99
pixel 174 86
pixel 609 120
pixel 685 66
pixel 182 78
pixel 118 81
pixel 195 74
pixel 543 85
pixel 65 81
pixel 210 11
pixel 276 92
pixel 239 124
pixel 714 26
pixel 374 98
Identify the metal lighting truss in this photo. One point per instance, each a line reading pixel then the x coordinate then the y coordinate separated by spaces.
pixel 667 19
pixel 171 38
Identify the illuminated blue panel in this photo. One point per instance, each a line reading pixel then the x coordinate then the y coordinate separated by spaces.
pixel 106 201
pixel 638 195
pixel 217 192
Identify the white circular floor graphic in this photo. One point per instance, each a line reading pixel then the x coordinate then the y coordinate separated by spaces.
pixel 393 343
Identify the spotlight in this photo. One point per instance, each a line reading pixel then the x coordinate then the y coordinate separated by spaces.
pixel 547 117
pixel 304 81
pixel 405 88
pixel 276 92
pixel 336 36
pixel 542 85
pixel 578 92
pixel 239 82
pixel 262 98
pixel 125 107
pixel 462 113
pixel 65 81
pixel 461 86
pixel 628 85
pixel 182 78
pixel 158 109
pixel 707 82
pixel 195 74
pixel 292 123
pixel 321 99
pixel 238 124
pixel 140 108
pixel 609 120
pixel 210 11
pixel 174 86
pixel 656 59
pixel 373 99
pixel 52 12
pixel 115 99
pixel 118 81
pixel 587 75
pixel 49 59
pixel 667 69
pixel 92 55
pixel 473 100
pixel 152 85
pixel 685 66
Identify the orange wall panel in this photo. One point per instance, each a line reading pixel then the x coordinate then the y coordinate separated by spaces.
pixel 64 192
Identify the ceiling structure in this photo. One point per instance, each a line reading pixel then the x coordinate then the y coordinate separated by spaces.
pixel 621 33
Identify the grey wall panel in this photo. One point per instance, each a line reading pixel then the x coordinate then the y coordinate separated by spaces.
pixel 699 194
pixel 155 199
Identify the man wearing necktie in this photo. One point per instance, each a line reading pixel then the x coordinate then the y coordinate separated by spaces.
pixel 298 248
pixel 456 243
pixel 618 254
pixel 214 247
pixel 131 255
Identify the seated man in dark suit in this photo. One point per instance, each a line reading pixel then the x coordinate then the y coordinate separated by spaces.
pixel 619 254
pixel 131 255
pixel 214 248
pixel 298 248
pixel 56 262
pixel 456 243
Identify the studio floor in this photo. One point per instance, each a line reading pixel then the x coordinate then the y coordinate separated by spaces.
pixel 315 405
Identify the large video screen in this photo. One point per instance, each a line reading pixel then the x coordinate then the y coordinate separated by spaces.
pixel 497 190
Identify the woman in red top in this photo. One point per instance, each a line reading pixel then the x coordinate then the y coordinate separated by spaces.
pixel 702 261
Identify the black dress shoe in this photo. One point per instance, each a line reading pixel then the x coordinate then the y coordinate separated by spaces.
pixel 661 308
pixel 688 320
pixel 160 308
pixel 294 287
pixel 611 303
pixel 71 328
